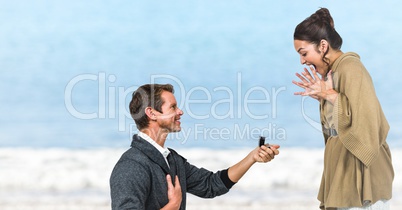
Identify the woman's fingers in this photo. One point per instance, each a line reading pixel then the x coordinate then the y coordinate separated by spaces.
pixel 302 78
pixel 317 78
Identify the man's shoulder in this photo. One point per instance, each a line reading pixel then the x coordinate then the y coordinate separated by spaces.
pixel 131 162
pixel 172 151
pixel 133 154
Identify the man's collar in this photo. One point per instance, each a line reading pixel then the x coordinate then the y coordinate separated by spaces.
pixel 163 150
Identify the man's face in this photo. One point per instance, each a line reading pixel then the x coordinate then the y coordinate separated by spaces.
pixel 169 119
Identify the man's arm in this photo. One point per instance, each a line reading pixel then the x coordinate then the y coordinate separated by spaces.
pixel 129 186
pixel 259 154
pixel 206 184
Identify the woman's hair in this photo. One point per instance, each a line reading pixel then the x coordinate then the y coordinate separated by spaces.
pixel 317 27
pixel 148 95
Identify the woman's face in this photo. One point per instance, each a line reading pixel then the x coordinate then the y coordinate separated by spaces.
pixel 311 55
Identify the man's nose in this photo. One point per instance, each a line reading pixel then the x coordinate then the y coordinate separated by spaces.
pixel 179 111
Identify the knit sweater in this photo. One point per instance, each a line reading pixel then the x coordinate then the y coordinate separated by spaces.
pixel 138 180
pixel 357 162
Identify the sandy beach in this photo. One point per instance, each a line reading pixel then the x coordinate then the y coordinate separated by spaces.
pixel 66 179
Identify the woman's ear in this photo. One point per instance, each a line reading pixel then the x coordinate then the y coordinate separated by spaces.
pixel 324 46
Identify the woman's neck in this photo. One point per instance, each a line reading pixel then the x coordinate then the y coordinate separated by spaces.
pixel 333 55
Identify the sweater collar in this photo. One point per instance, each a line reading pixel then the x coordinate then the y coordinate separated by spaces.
pixel 149 150
pixel 163 150
pixel 343 56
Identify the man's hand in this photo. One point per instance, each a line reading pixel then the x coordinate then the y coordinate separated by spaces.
pixel 174 194
pixel 265 154
pixel 260 154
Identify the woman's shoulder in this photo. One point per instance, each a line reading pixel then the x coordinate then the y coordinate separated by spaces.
pixel 349 57
pixel 347 62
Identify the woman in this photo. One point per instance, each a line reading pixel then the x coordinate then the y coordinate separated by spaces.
pixel 358 171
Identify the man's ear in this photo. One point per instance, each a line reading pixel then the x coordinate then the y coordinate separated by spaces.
pixel 324 46
pixel 150 113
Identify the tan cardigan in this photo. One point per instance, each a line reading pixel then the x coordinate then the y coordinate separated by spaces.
pixel 357 162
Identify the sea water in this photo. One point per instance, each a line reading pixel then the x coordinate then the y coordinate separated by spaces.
pixel 68 69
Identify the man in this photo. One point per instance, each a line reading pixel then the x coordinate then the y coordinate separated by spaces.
pixel 150 176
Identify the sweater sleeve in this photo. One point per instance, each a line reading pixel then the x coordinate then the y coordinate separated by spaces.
pixel 129 184
pixel 226 180
pixel 204 183
pixel 361 124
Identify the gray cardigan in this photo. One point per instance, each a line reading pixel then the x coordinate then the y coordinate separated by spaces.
pixel 138 180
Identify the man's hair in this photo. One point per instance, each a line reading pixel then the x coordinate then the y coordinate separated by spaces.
pixel 148 95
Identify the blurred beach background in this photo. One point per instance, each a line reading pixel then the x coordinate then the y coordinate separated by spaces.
pixel 68 69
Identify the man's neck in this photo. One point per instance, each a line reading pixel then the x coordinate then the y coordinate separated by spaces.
pixel 157 135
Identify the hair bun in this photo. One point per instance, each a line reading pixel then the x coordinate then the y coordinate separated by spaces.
pixel 323 16
pixel 318 26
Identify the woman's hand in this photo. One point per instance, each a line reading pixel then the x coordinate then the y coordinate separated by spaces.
pixel 316 87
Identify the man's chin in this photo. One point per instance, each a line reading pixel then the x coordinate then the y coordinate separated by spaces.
pixel 175 130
